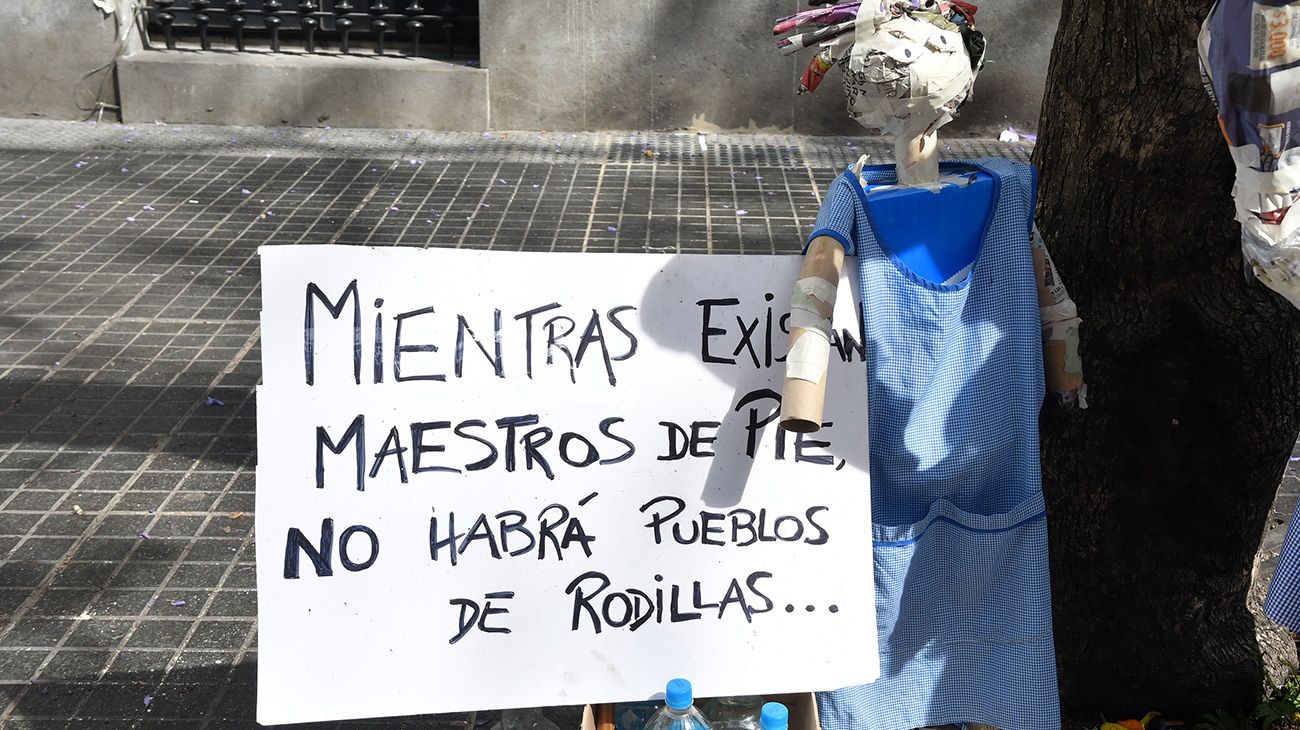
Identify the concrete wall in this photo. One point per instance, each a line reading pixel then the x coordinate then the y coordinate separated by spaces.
pixel 270 89
pixel 708 64
pixel 46 47
pixel 550 64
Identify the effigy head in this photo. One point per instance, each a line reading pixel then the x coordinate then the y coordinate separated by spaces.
pixel 911 65
pixel 908 65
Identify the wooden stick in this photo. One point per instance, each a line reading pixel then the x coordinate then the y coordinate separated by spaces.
pixel 917 158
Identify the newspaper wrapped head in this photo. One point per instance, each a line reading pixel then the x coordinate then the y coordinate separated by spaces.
pixel 1250 62
pixel 911 65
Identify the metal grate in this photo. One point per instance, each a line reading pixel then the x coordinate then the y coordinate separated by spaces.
pixel 417 28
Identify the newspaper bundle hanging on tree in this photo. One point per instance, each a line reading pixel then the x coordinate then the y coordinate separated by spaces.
pixel 1250 62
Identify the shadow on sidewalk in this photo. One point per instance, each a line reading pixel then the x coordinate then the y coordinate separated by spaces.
pixel 210 426
pixel 187 696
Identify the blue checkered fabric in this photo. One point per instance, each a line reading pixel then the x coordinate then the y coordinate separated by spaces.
pixel 1283 603
pixel 955 376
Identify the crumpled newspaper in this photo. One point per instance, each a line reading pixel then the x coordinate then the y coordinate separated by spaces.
pixel 1250 63
pixel 910 67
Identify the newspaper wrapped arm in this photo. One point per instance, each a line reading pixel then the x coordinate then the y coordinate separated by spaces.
pixel 1062 365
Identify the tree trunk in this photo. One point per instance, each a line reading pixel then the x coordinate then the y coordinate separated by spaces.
pixel 1158 494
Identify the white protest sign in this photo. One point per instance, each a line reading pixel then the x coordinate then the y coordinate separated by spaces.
pixel 491 480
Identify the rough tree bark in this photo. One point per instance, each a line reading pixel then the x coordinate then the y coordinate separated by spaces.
pixel 1159 493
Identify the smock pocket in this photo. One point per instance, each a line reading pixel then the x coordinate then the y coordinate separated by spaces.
pixel 959 578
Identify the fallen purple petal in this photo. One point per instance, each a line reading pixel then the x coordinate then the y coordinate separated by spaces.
pixel 80 206
pixel 130 219
pixel 742 211
pixel 145 536
pixel 178 604
pixel 394 207
pixel 1295 458
pixel 148 700
pixel 215 401
pixel 612 229
pixel 148 207
pixel 124 169
pixel 245 191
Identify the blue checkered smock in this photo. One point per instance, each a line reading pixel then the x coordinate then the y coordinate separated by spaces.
pixel 955 384
pixel 1283 603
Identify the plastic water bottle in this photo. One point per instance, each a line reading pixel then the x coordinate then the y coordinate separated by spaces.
pixel 734 713
pixel 635 715
pixel 524 719
pixel 774 717
pixel 678 712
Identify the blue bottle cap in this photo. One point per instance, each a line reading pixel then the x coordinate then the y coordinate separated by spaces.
pixel 774 717
pixel 679 695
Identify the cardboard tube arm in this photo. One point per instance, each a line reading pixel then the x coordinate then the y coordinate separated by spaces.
pixel 804 399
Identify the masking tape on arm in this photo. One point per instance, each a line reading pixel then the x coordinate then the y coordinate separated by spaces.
pixel 815 295
pixel 1068 332
pixel 808 358
pixel 811 303
pixel 800 319
pixel 1059 312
